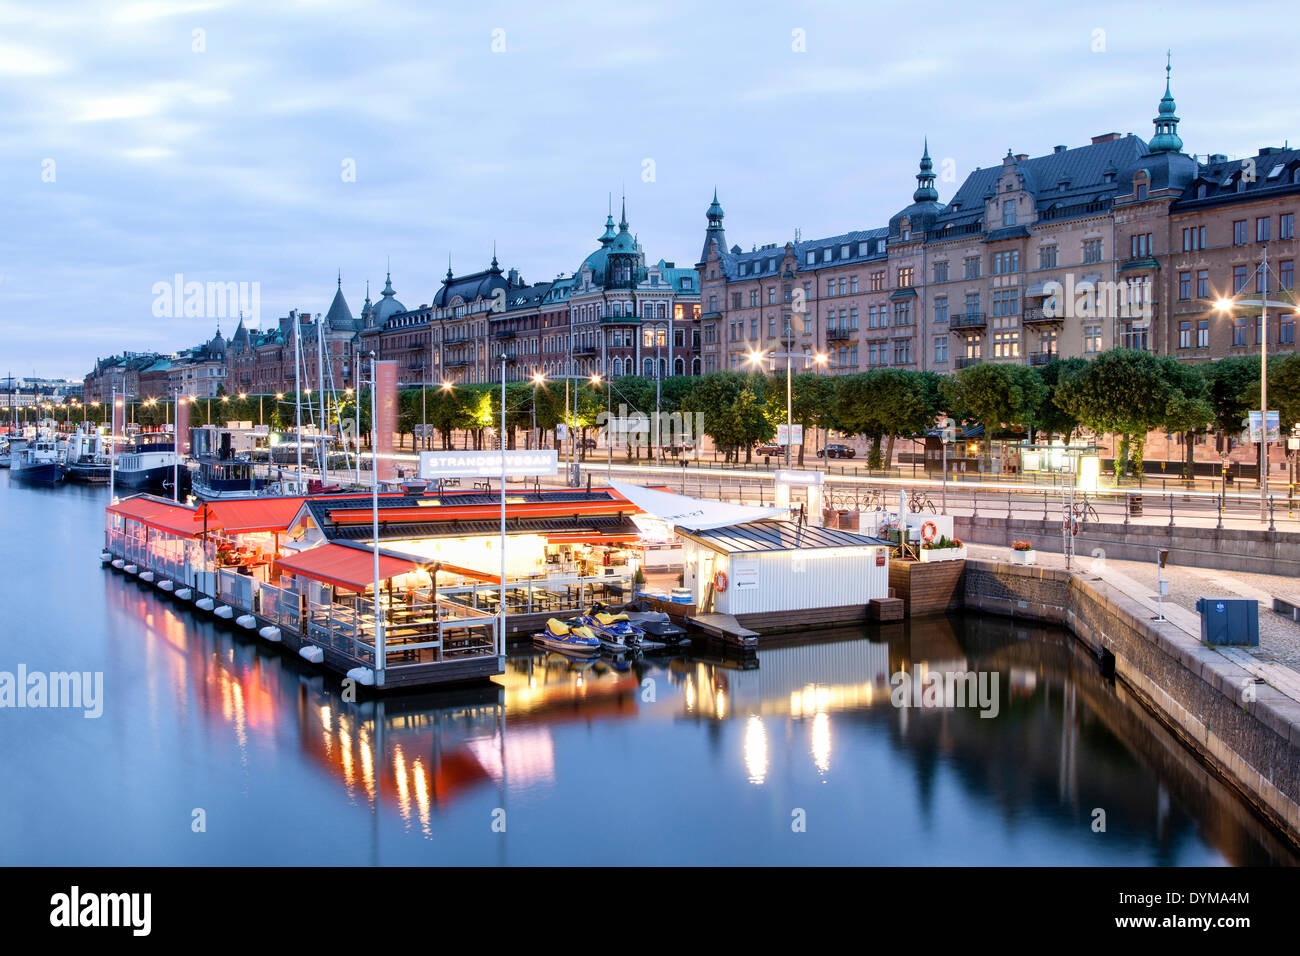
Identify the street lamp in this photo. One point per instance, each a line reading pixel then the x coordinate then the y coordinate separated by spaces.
pixel 1225 305
pixel 756 357
pixel 538 379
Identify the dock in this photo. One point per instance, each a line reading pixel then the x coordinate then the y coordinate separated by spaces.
pixel 726 628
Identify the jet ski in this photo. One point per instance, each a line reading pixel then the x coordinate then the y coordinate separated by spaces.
pixel 657 625
pixel 615 631
pixel 573 639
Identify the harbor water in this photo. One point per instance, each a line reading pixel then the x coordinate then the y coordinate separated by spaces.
pixel 210 748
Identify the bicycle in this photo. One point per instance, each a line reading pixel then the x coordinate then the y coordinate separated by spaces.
pixel 1083 511
pixel 920 501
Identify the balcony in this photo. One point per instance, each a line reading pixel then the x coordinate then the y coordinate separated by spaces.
pixel 967 361
pixel 1043 358
pixel 503 334
pixel 582 350
pixel 838 335
pixel 623 320
pixel 970 321
pixel 1039 316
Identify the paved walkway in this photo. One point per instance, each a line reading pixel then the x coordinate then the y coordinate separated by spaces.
pixel 1277 658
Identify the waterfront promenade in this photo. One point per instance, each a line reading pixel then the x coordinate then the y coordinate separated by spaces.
pixel 1277 658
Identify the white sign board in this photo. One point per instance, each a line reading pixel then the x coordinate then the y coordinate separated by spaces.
pixel 745 571
pixel 781 431
pixel 801 478
pixel 487 464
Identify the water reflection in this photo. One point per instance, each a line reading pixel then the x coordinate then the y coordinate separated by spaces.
pixel 697 758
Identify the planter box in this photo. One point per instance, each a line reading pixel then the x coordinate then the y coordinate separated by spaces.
pixel 1023 557
pixel 942 554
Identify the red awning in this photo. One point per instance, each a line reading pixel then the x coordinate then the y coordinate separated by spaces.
pixel 352 569
pixel 161 515
pixel 592 538
pixel 246 515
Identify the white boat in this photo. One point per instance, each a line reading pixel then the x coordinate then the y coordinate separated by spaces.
pixel 85 456
pixel 148 463
pixel 37 464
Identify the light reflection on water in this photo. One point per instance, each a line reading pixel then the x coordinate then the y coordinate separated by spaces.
pixel 690 759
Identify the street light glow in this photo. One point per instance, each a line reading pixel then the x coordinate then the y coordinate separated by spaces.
pixel 1223 304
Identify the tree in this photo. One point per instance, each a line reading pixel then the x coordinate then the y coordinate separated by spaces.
pixel 1188 409
pixel 997 395
pixel 1284 389
pixel 812 403
pixel 856 412
pixel 1052 418
pixel 1124 392
pixel 1229 382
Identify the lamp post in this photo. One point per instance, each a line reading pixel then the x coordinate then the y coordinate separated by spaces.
pixel 381 652
pixel 756 358
pixel 1225 305
pixel 501 647
pixel 538 379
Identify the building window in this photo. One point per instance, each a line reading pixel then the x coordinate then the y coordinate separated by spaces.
pixel 903 313
pixel 830 287
pixel 1008 212
pixel 1286 329
pixel 853 318
pixel 1006 301
pixel 1184 335
pixel 941 310
pixel 877 281
pixel 753 298
pixel 1263 227
pixel 1047 257
pixel 902 352
pixel 853 284
pixel 941 272
pixel 1184 285
pixel 1133 337
pixel 972 303
pixel 1091 251
pixel 1140 245
pixel 1203 284
pixel 771 295
pixel 1141 191
pixel 1193 238
pixel 1286 274
pixel 1006 344
pixel 1239 232
pixel 1203 334
pixel 810 258
pixel 1240 276
pixel 1286 225
pixel 1006 262
pixel 1092 339
pixel 1238 330
pixel 905 277
pixel 972 267
pixel 941 349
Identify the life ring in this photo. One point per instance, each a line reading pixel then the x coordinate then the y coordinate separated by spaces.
pixel 720 581
pixel 928 531
pixel 1074 526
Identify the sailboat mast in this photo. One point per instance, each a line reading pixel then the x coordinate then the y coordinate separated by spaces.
pixel 297 394
pixel 320 380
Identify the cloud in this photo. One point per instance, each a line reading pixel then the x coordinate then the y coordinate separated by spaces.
pixel 28 61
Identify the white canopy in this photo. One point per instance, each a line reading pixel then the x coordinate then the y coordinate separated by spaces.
pixel 694 514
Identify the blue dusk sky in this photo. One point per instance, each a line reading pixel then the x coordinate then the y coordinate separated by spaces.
pixel 277 142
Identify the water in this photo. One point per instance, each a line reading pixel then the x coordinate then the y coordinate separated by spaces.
pixel 696 759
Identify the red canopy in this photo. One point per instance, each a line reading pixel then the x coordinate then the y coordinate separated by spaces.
pixel 246 515
pixel 162 515
pixel 352 569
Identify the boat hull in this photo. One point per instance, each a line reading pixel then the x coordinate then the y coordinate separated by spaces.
pixel 87 474
pixel 46 473
pixel 146 479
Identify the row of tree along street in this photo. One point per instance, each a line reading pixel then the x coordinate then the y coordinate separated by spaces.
pixel 1120 392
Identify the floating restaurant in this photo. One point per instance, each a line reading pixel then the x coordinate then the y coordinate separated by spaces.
pixel 310 574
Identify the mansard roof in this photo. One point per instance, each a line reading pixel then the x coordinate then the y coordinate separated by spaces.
pixel 1273 171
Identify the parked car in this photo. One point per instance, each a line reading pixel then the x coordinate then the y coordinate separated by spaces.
pixel 587 443
pixel 770 450
pixel 836 451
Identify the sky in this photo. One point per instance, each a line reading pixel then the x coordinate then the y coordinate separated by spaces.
pixel 276 143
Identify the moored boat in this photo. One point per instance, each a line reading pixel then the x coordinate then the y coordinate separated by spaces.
pixel 577 639
pixel 148 463
pixel 37 464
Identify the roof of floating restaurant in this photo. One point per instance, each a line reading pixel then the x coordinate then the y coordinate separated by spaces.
pixel 352 569
pixel 161 514
pixel 772 536
pixel 564 516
